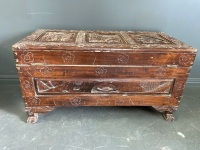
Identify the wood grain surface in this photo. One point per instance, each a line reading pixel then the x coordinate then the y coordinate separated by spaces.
pixel 102 68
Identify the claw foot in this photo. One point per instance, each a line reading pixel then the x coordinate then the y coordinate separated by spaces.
pixel 168 116
pixel 32 118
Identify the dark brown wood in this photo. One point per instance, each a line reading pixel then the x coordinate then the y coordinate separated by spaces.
pixel 57 87
pixel 62 57
pixel 102 100
pixel 65 72
pixel 102 68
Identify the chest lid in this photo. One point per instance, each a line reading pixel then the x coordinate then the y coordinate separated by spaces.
pixel 100 40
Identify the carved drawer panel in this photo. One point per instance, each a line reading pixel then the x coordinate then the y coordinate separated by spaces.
pixel 60 86
pixel 65 57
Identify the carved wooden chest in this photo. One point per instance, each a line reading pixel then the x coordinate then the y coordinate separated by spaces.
pixel 101 68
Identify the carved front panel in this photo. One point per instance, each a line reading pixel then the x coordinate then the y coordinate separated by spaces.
pixel 60 86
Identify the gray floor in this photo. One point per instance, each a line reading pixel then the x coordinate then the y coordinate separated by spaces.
pixel 99 128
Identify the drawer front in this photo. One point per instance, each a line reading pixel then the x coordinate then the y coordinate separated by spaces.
pixel 85 86
pixel 60 57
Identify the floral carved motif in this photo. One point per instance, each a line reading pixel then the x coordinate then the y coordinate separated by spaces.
pixel 101 71
pixel 123 58
pixel 185 60
pixel 75 101
pixel 27 57
pixel 27 85
pixel 68 58
pixel 179 85
pixel 33 101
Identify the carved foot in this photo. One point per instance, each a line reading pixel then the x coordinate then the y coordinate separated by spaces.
pixel 33 112
pixel 32 118
pixel 167 111
pixel 168 116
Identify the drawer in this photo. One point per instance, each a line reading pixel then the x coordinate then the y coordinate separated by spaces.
pixel 64 57
pixel 92 86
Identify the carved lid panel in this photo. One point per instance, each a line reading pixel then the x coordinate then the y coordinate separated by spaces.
pixel 101 40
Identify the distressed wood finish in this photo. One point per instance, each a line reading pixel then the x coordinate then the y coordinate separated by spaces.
pixel 102 68
pixel 61 57
pixel 102 100
pixel 65 72
pixel 54 86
